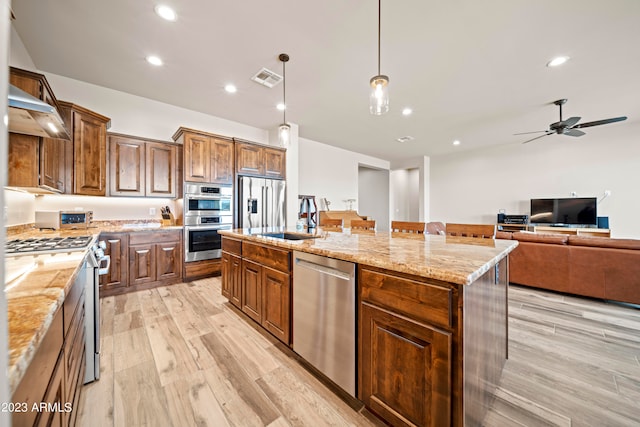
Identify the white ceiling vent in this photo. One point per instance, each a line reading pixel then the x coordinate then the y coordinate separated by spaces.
pixel 267 78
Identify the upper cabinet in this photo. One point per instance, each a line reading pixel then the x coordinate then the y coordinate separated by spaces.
pixel 208 157
pixel 259 160
pixel 89 154
pixel 34 162
pixel 140 167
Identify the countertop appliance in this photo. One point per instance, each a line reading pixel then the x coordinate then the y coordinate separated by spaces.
pixel 56 220
pixel 261 202
pixel 324 316
pixel 208 208
pixel 94 264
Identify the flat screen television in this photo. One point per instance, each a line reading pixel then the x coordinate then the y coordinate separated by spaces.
pixel 580 211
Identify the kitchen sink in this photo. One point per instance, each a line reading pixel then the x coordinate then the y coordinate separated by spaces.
pixel 289 236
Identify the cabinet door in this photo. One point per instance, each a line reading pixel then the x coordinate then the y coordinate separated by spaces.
pixel 197 158
pixel 142 264
pixel 274 163
pixel 55 398
pixel 249 159
pixel 161 170
pixel 117 249
pixel 226 275
pixel 404 369
pixel 276 303
pixel 222 161
pixel 168 261
pixel 23 159
pixel 52 163
pixel 252 290
pixel 236 281
pixel 126 166
pixel 89 155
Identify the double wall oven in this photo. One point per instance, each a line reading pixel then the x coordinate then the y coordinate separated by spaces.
pixel 207 210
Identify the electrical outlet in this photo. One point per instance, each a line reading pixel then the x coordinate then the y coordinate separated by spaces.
pixel 152 211
pixel 6 213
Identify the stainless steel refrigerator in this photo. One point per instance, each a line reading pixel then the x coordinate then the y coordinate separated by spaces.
pixel 261 202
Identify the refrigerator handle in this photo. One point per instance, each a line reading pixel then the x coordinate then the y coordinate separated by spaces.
pixel 265 204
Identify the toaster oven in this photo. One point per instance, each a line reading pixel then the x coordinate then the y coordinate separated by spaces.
pixel 61 220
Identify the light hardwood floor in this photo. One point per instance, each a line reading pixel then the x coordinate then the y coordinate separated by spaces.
pixel 179 356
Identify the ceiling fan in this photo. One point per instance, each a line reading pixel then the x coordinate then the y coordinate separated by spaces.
pixel 569 126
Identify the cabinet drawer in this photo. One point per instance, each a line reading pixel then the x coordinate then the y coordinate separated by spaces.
pixel 142 237
pixel 275 258
pixel 418 300
pixel 232 246
pixel 73 352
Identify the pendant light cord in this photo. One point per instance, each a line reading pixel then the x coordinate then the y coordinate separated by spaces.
pixel 284 91
pixel 379 26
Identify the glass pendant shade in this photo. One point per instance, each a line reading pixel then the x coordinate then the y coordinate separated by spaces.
pixel 284 134
pixel 379 97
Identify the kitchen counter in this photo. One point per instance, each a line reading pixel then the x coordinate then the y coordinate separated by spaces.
pixel 458 260
pixel 36 286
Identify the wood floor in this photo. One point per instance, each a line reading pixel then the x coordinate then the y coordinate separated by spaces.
pixel 179 356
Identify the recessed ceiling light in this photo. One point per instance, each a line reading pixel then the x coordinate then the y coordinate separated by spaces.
pixel 456 142
pixel 405 138
pixel 231 88
pixel 281 107
pixel 154 60
pixel 165 12
pixel 407 111
pixel 559 60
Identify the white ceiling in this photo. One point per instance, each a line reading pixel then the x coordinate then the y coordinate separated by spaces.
pixel 471 70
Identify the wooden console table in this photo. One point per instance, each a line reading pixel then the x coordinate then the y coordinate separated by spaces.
pixel 600 232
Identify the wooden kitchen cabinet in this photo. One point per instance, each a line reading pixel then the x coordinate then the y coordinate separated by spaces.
pixel 89 154
pixel 257 280
pixel 141 167
pixel 155 257
pixel 118 249
pixel 259 160
pixel 34 162
pixel 405 348
pixel 207 157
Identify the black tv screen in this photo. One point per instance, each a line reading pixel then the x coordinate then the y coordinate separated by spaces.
pixel 570 211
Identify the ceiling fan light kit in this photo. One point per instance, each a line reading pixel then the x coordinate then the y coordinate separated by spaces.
pixel 379 95
pixel 570 126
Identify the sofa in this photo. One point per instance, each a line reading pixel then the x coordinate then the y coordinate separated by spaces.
pixel 598 267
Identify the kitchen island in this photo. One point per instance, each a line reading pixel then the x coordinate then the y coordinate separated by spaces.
pixel 432 314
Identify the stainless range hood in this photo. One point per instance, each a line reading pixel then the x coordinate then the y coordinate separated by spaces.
pixel 30 116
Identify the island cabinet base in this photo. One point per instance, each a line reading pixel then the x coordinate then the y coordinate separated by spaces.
pixel 430 352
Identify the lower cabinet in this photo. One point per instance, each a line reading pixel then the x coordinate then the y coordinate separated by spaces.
pixel 257 280
pixel 142 260
pixel 406 360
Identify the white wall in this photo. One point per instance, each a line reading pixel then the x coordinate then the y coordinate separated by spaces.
pixel 405 191
pixel 326 171
pixel 373 195
pixel 471 186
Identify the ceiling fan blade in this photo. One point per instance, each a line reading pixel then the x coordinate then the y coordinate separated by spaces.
pixel 538 137
pixel 527 133
pixel 574 132
pixel 600 122
pixel 571 121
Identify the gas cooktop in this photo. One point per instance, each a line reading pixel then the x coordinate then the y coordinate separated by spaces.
pixel 47 245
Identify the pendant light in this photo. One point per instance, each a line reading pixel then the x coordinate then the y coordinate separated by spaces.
pixel 284 130
pixel 379 97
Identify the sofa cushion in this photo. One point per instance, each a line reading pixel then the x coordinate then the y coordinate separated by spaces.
pixel 506 235
pixel 556 239
pixel 604 242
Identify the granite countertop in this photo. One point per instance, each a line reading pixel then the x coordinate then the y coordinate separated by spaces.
pixel 36 286
pixel 459 260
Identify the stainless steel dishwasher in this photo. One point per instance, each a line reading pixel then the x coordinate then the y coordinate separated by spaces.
pixel 324 316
